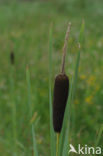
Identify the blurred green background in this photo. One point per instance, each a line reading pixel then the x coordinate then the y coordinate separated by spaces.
pixel 24 28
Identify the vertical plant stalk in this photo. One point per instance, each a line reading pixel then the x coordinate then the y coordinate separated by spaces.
pixel 65 48
pixel 56 91
pixel 73 87
pixel 57 145
pixel 35 151
pixel 52 134
pixel 14 128
pixel 80 45
pixel 99 136
pixel 61 90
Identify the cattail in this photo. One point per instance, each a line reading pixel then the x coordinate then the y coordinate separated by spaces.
pixel 12 58
pixel 61 91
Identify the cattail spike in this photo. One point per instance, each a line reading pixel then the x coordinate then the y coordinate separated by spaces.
pixel 65 48
pixel 61 91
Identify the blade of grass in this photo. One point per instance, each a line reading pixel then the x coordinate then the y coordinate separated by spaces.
pixel 80 40
pixel 99 136
pixel 12 94
pixel 35 153
pixel 65 147
pixel 81 36
pixel 52 134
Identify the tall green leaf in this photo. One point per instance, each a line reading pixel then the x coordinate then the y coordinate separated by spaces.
pixel 13 108
pixel 80 40
pixel 65 147
pixel 52 134
pixel 99 136
pixel 30 111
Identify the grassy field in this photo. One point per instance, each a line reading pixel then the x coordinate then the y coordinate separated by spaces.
pixel 24 27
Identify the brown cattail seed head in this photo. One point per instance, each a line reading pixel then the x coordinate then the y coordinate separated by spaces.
pixel 61 89
pixel 12 59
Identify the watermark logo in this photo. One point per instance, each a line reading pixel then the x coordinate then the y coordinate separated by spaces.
pixel 72 149
pixel 85 150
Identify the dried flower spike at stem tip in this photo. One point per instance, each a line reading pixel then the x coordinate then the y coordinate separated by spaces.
pixel 65 48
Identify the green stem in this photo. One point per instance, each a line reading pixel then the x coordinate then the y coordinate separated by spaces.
pixel 13 107
pixel 35 151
